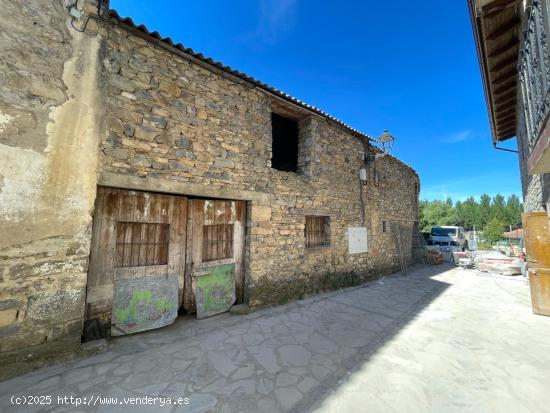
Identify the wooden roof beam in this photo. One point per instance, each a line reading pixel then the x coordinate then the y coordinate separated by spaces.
pixel 505 76
pixel 512 44
pixel 506 119
pixel 504 28
pixel 511 103
pixel 506 97
pixel 505 86
pixel 505 112
pixel 494 8
pixel 504 63
pixel 506 125
pixel 505 101
pixel 504 89
pixel 506 134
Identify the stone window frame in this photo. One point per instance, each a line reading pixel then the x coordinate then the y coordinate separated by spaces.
pixel 306 141
pixel 327 232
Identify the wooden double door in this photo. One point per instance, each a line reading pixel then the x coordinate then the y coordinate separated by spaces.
pixel 153 254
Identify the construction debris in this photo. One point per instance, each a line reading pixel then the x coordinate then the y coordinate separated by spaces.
pixel 499 263
pixel 434 257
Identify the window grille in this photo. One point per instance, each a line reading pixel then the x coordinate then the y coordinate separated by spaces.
pixel 141 244
pixel 317 231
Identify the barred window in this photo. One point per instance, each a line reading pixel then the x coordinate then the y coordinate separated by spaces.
pixel 141 244
pixel 217 242
pixel 317 231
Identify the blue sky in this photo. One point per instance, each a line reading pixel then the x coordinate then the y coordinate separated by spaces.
pixel 410 67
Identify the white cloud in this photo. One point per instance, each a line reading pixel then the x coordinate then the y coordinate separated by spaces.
pixel 454 189
pixel 276 17
pixel 459 136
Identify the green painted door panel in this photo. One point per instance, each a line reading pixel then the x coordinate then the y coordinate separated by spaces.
pixel 214 289
pixel 144 303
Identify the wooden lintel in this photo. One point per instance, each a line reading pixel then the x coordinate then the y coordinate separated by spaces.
pixel 504 63
pixel 507 47
pixel 504 28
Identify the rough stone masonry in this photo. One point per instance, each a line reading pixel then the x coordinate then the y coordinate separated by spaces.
pixel 94 100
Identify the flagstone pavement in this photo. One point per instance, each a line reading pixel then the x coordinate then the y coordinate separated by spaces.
pixel 441 339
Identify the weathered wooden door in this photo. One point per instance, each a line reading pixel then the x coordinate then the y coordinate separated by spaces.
pixel 537 244
pixel 137 259
pixel 214 276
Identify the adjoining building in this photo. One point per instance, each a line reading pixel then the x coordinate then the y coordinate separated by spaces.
pixel 140 180
pixel 512 42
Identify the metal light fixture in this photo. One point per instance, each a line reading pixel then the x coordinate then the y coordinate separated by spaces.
pixel 386 145
pixel 386 140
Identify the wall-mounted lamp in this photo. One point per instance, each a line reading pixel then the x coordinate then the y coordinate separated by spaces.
pixel 386 140
pixel 386 145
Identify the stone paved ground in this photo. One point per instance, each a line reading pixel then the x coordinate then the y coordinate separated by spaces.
pixel 440 340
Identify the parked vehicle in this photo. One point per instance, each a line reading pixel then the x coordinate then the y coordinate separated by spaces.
pixel 449 238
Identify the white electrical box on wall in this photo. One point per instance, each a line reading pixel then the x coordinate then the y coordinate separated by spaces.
pixel 363 174
pixel 357 238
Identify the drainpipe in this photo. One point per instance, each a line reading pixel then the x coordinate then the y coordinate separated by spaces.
pixel 504 149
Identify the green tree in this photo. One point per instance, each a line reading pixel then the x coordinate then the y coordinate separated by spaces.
pixel 437 213
pixel 514 208
pixel 493 230
pixel 498 208
pixel 460 212
pixel 470 213
pixel 484 209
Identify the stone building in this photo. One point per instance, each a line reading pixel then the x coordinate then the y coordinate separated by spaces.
pixel 139 179
pixel 512 42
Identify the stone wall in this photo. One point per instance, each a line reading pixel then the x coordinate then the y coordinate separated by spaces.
pixel 49 77
pixel 113 107
pixel 172 119
pixel 535 188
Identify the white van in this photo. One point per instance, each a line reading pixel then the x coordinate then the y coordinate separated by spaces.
pixel 450 238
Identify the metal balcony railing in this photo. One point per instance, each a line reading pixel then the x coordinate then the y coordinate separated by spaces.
pixel 534 70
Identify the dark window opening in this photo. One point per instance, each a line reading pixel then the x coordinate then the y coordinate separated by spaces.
pixel 141 243
pixel 217 242
pixel 383 226
pixel 317 231
pixel 284 143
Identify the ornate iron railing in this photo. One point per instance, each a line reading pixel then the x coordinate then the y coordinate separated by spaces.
pixel 534 70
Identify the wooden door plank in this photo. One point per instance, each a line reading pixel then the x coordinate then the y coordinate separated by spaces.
pixel 239 227
pixel 176 259
pixel 95 258
pixel 187 287
pixel 108 234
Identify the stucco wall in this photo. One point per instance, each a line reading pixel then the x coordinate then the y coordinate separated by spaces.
pixel 51 115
